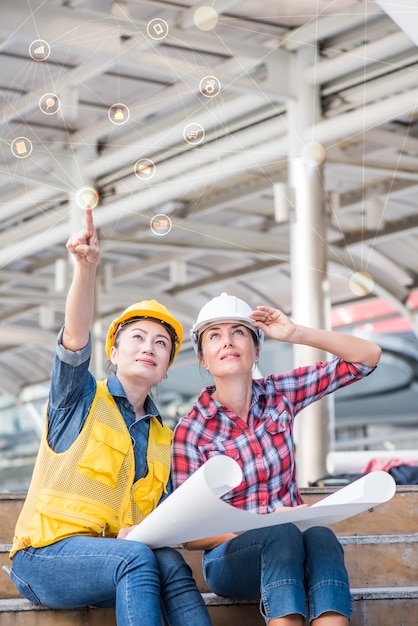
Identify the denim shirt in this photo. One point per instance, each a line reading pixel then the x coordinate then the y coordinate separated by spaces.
pixel 72 391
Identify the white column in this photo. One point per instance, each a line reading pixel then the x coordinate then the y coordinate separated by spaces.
pixel 308 264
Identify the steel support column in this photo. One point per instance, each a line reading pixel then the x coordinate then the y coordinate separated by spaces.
pixel 308 264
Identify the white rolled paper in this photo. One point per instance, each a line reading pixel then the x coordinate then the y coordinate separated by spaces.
pixel 195 510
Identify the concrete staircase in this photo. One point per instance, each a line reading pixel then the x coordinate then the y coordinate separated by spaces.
pixel 381 548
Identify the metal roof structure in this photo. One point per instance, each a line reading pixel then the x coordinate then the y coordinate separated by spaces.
pixel 174 121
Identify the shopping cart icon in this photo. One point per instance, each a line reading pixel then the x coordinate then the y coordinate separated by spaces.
pixel 194 134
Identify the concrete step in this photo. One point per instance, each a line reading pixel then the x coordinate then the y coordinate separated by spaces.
pixel 381 548
pixel 387 606
pixel 381 560
pixel 372 561
pixel 20 612
pixel 7 588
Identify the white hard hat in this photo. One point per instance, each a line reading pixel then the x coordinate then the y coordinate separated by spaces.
pixel 224 308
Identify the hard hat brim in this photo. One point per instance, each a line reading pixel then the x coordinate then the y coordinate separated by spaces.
pixel 198 329
pixel 245 321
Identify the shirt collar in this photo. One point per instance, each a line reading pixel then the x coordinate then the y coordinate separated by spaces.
pixel 115 388
pixel 208 407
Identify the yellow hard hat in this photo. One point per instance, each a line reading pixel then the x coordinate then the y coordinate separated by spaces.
pixel 148 309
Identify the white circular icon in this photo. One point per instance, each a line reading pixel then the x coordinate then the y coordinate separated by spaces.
pixel 157 29
pixel 144 169
pixel 39 50
pixel 194 134
pixel 160 224
pixel 49 104
pixel 119 114
pixel 21 147
pixel 87 198
pixel 209 86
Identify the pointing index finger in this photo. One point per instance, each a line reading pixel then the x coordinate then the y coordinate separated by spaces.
pixel 89 219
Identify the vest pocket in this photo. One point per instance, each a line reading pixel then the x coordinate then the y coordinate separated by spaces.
pixel 104 454
pixel 58 516
pixel 147 491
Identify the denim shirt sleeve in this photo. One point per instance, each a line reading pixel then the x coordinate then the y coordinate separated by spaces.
pixel 71 394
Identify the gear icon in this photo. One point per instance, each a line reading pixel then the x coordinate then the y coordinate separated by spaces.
pixel 210 86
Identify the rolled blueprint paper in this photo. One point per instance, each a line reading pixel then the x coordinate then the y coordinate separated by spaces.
pixel 195 510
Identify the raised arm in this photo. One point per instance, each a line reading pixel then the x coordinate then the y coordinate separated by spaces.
pixel 353 349
pixel 79 307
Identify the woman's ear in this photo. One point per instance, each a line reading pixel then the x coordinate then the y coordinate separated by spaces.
pixel 203 362
pixel 113 354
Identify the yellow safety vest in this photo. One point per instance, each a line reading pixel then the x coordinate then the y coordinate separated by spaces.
pixel 88 490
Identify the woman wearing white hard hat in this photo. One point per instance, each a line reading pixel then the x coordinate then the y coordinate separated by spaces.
pixel 103 465
pixel 252 421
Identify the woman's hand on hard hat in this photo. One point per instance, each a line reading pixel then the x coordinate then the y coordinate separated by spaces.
pixel 273 323
pixel 84 246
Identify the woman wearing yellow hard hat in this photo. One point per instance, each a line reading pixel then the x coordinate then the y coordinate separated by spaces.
pixel 103 465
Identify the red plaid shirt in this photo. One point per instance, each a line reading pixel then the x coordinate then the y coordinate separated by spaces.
pixel 263 446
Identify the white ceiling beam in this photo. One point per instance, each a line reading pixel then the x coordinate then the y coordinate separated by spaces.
pixel 350 124
pixel 360 58
pixel 392 137
pixel 325 26
pixel 246 240
pixel 8 277
pixel 143 267
pixel 404 13
pixel 17 334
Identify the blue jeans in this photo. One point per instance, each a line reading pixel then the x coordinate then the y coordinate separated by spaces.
pixel 283 567
pixel 146 587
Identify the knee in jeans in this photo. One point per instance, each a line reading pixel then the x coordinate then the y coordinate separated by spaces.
pixel 324 540
pixel 171 563
pixel 322 536
pixel 287 533
pixel 320 533
pixel 282 539
pixel 141 554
